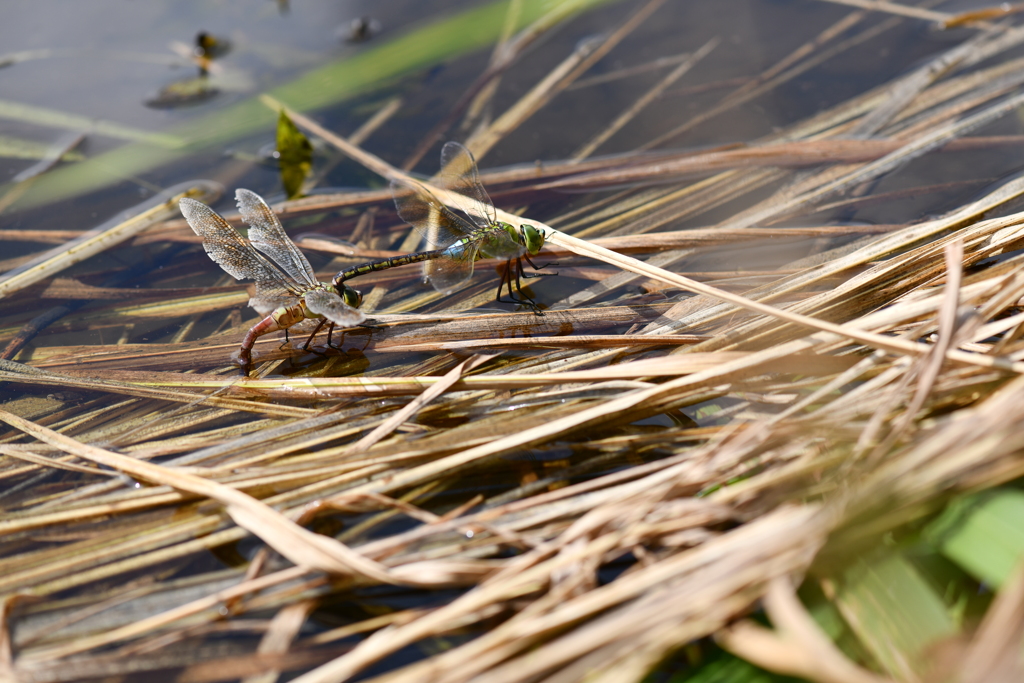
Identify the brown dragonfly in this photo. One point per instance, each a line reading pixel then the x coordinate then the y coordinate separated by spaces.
pixel 287 291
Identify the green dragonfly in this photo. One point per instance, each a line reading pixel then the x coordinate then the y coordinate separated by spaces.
pixel 459 242
pixel 287 291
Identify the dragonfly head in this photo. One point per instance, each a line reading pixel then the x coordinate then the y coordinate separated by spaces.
pixel 352 297
pixel 533 238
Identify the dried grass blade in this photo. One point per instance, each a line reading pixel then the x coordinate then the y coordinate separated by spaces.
pixel 785 154
pixel 648 97
pixel 907 88
pixel 23 453
pixel 785 70
pixel 586 55
pixel 971 17
pixel 849 331
pixel 54 154
pixel 103 237
pixel 432 392
pixel 994 652
pixel 531 102
pixel 93 384
pixel 883 248
pixel 157 621
pixel 608 410
pixel 370 161
pixel 800 648
pixel 954 255
pixel 896 9
pixel 583 248
pixel 299 545
pixel 574 341
pixel 780 528
pixel 668 366
pixel 915 148
pixel 57 236
pixel 278 639
pixel 503 56
pixel 379 118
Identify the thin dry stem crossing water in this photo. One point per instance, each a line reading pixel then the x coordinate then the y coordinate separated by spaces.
pixel 465 491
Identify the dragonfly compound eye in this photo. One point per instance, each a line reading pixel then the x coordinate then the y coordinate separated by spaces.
pixel 534 238
pixel 352 297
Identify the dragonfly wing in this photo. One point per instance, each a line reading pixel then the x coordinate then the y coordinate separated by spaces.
pixel 445 274
pixel 267 235
pixel 438 225
pixel 459 174
pixel 330 306
pixel 226 246
pixel 270 296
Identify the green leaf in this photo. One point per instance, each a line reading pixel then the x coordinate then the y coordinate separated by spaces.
pixel 187 92
pixel 718 666
pixel 295 156
pixel 894 613
pixel 982 534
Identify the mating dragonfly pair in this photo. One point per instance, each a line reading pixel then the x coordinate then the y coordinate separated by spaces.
pixel 287 291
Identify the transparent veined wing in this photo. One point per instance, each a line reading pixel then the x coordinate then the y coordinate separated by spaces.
pixel 438 224
pixel 459 174
pixel 228 248
pixel 267 235
pixel 330 306
pixel 447 273
pixel 270 296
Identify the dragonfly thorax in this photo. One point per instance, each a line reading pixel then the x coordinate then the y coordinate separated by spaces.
pixel 286 316
pixel 290 315
pixel 526 236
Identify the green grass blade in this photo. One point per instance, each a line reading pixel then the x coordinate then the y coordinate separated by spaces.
pixel 894 612
pixel 983 534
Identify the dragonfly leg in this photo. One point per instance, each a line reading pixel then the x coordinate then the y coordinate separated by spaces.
pixel 285 343
pixel 309 340
pixel 330 340
pixel 536 267
pixel 330 331
pixel 519 285
pixel 506 279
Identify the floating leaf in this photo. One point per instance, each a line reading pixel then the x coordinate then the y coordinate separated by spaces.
pixel 294 154
pixel 183 93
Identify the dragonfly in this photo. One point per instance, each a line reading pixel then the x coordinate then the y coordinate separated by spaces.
pixel 459 241
pixel 287 291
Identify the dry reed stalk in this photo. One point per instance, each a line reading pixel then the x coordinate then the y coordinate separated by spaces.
pixel 102 237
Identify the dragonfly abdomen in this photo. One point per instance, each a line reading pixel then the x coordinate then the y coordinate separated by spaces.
pixel 281 319
pixel 391 262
